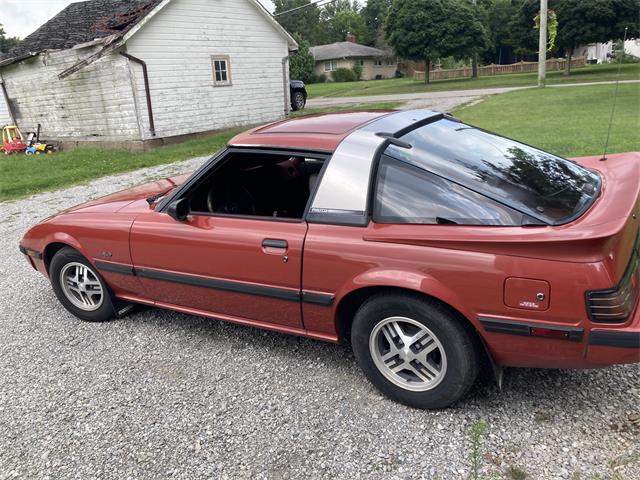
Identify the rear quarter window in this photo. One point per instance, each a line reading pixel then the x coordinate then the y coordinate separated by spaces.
pixel 408 194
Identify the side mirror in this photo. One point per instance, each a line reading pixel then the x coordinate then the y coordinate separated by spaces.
pixel 179 209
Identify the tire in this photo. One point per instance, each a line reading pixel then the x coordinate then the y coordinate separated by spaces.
pixel 80 296
pixel 298 101
pixel 439 368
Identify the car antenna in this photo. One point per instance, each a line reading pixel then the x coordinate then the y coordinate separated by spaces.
pixel 615 97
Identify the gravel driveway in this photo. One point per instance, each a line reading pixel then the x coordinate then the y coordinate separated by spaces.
pixel 166 395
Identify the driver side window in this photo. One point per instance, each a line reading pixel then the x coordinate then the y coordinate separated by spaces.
pixel 259 184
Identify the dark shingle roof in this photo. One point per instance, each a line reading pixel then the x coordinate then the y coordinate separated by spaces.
pixel 83 22
pixel 344 50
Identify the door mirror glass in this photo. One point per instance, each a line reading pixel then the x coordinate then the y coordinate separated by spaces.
pixel 179 209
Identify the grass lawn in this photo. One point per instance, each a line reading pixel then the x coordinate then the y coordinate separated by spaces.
pixel 593 73
pixel 21 175
pixel 568 121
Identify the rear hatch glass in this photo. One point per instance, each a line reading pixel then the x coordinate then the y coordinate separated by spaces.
pixel 548 188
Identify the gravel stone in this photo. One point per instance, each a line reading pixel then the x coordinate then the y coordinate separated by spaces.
pixel 160 394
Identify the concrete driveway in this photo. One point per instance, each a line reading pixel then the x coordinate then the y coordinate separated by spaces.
pixel 159 394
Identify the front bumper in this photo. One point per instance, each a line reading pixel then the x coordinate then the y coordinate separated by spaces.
pixel 31 253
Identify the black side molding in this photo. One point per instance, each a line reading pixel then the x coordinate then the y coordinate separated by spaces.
pixel 324 299
pixel 612 338
pixel 216 284
pixel 30 253
pixel 115 267
pixel 531 329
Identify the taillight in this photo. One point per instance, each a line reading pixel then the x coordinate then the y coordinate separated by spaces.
pixel 617 304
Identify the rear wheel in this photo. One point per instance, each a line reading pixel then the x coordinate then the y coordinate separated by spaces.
pixel 79 287
pixel 414 350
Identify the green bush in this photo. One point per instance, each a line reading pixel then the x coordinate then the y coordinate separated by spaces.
pixel 319 78
pixel 344 75
pixel 357 71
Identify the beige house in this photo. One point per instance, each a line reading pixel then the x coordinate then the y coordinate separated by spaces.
pixel 375 63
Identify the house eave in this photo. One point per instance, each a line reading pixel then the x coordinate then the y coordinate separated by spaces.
pixel 10 61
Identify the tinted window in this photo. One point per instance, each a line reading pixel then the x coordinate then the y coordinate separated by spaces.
pixel 542 185
pixel 408 194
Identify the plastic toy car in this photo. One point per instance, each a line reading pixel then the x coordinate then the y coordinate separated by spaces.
pixel 38 148
pixel 12 140
pixel 436 249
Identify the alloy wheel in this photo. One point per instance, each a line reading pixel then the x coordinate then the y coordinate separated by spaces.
pixel 81 286
pixel 408 354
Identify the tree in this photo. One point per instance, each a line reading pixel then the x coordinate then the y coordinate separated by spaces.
pixel 429 29
pixel 523 36
pixel 301 63
pixel 374 15
pixel 582 22
pixel 7 43
pixel 340 17
pixel 303 22
pixel 498 15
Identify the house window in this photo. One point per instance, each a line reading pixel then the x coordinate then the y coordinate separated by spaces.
pixel 390 62
pixel 377 63
pixel 360 62
pixel 330 66
pixel 221 70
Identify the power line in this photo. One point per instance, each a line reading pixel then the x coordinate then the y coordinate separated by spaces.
pixel 312 4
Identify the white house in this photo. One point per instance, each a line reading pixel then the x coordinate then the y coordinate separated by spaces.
pixel 126 72
pixel 603 52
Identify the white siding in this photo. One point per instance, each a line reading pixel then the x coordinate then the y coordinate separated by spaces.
pixel 95 103
pixel 5 118
pixel 177 45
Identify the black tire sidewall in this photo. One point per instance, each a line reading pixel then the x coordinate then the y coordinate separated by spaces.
pixel 62 258
pixel 294 103
pixel 458 344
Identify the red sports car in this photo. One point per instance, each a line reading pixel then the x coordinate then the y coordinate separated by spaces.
pixel 431 246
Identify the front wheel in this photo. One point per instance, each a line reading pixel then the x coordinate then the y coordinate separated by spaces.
pixel 79 287
pixel 298 101
pixel 414 350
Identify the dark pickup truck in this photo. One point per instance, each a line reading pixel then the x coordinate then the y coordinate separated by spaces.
pixel 298 94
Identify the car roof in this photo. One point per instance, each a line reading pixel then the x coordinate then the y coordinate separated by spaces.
pixel 315 132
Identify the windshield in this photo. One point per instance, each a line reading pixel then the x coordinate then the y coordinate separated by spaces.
pixel 546 187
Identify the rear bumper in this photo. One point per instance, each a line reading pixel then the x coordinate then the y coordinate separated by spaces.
pixel 610 346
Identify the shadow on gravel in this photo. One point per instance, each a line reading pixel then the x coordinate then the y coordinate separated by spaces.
pixel 216 332
pixel 533 388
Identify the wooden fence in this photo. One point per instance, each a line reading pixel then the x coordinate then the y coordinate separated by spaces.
pixel 521 67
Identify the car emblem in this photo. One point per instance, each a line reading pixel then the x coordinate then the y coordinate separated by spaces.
pixel 105 254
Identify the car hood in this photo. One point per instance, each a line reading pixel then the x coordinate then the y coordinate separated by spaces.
pixel 119 200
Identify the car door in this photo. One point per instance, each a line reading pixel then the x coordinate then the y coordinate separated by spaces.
pixel 237 267
pixel 245 268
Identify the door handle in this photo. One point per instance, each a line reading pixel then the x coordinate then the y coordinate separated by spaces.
pixel 275 243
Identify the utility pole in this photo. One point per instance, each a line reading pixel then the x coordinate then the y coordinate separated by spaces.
pixel 474 59
pixel 542 45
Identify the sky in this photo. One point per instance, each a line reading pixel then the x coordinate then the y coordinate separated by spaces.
pixel 22 17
